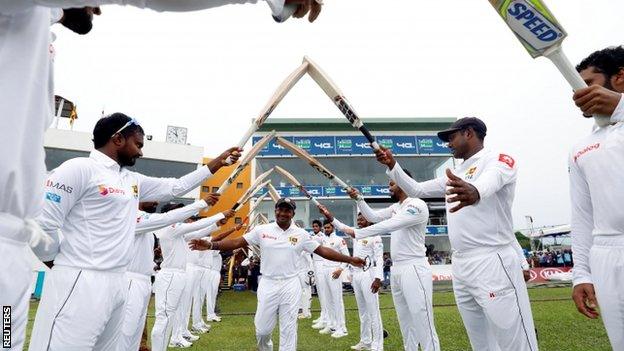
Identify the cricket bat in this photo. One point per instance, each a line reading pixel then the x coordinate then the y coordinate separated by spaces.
pixel 541 35
pixel 277 97
pixel 334 93
pixel 273 193
pixel 258 184
pixel 291 178
pixel 304 155
pixel 255 150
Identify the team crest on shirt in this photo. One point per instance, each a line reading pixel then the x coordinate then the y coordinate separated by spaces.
pixel 135 191
pixel 293 240
pixel 364 241
pixel 470 172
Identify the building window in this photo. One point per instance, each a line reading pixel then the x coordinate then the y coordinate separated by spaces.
pixel 239 185
pixel 238 220
pixel 214 189
pixel 205 189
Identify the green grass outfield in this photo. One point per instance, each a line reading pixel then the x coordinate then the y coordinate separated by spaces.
pixel 559 326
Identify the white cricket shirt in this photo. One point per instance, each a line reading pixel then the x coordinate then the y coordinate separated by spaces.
pixel 318 237
pixel 143 244
pixel 489 221
pixel 336 243
pixel 174 240
pixel 406 222
pixel 280 250
pixel 371 247
pixel 596 189
pixel 94 203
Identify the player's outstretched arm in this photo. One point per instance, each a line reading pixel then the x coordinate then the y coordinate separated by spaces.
pixel 332 255
pixel 225 234
pixel 224 245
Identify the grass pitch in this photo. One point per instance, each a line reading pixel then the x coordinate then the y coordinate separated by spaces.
pixel 559 325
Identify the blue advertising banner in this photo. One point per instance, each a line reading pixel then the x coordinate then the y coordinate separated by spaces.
pixel 431 145
pixel 272 148
pixel 400 145
pixel 329 191
pixel 353 145
pixel 325 145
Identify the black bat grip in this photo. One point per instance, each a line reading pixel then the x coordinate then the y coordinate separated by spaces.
pixel 369 137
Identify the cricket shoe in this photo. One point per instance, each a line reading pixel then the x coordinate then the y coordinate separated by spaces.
pixel 319 325
pixel 190 337
pixel 327 330
pixel 361 347
pixel 214 319
pixel 182 344
pixel 339 334
pixel 202 329
pixel 304 316
pixel 318 320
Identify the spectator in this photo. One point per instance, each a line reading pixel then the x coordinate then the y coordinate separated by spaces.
pixel 386 269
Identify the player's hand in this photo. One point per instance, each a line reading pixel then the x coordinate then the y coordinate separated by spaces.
pixel 376 285
pixel 357 262
pixel 596 100
pixel 465 193
pixel 385 157
pixel 313 7
pixel 228 214
pixel 212 198
pixel 325 212
pixel 200 245
pixel 526 274
pixel 353 193
pixel 232 153
pixel 349 231
pixel 584 297
pixel 239 226
pixel 336 274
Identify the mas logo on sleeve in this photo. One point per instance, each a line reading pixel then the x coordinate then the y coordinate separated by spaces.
pixel 506 159
pixel 59 186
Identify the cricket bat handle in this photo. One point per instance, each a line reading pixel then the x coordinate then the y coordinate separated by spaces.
pixel 369 137
pixel 346 186
pixel 561 61
pixel 289 10
pixel 252 129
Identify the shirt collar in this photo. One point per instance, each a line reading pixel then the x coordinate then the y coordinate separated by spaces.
pixel 292 224
pixel 101 158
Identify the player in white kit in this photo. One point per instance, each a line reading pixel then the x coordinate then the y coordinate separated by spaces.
pixel 306 277
pixel 366 284
pixel 596 163
pixel 488 278
pixel 332 280
pixel 171 280
pixel 94 202
pixel 319 283
pixel 281 244
pixel 411 278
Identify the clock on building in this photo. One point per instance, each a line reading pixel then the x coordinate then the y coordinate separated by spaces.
pixel 176 135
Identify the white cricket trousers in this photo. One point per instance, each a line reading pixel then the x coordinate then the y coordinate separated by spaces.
pixel 306 293
pixel 80 309
pixel 492 299
pixel 168 287
pixel 183 313
pixel 319 282
pixel 199 296
pixel 214 279
pixel 606 261
pixel 139 293
pixel 335 304
pixel 412 289
pixel 277 298
pixel 371 329
pixel 15 278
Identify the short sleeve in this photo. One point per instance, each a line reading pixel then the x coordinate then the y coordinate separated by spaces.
pixel 252 238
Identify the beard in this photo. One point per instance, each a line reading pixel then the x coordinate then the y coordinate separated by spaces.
pixel 78 20
pixel 394 198
pixel 126 161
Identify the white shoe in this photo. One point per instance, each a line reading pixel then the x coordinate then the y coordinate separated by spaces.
pixel 202 329
pixel 214 319
pixel 307 316
pixel 319 325
pixel 326 330
pixel 318 320
pixel 360 347
pixel 183 344
pixel 300 316
pixel 339 334
pixel 190 337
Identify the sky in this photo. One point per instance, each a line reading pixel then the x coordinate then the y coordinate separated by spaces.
pixel 212 71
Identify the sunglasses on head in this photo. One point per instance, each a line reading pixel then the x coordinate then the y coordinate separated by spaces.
pixel 129 123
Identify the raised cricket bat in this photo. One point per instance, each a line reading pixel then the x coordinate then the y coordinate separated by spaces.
pixel 291 178
pixel 255 150
pixel 277 97
pixel 304 155
pixel 541 35
pixel 273 193
pixel 258 201
pixel 262 218
pixel 331 89
pixel 248 194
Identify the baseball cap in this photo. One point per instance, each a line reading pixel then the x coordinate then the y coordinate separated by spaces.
pixel 462 124
pixel 287 202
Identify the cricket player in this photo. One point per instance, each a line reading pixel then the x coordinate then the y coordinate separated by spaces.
pixel 171 280
pixel 366 284
pixel 27 86
pixel 214 279
pixel 595 164
pixel 319 283
pixel 281 244
pixel 411 278
pixel 488 278
pixel 332 281
pixel 94 202
pixel 306 276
